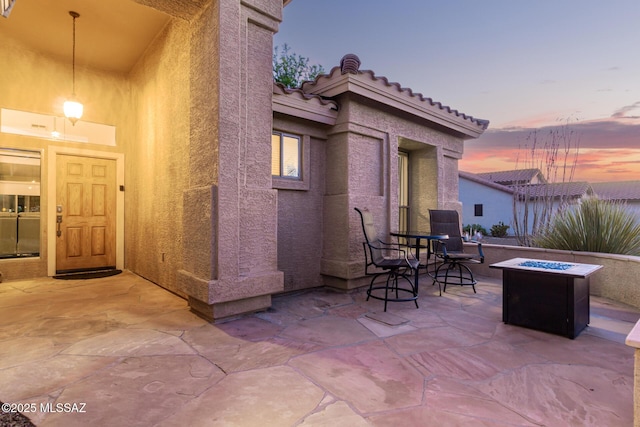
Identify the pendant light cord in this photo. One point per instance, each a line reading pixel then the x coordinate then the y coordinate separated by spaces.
pixel 73 60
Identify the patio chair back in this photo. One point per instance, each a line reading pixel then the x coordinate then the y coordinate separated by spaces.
pixel 447 222
pixel 371 236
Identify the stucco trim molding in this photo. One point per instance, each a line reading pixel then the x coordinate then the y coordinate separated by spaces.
pixel 217 299
pixel 379 89
pixel 224 291
pixel 355 128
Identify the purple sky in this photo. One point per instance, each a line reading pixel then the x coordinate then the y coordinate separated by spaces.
pixel 521 65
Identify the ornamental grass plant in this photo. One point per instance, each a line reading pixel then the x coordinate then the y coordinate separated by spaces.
pixel 593 226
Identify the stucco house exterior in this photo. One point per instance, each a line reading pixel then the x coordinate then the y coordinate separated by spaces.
pixel 354 163
pixel 189 190
pixel 485 202
pixel 488 198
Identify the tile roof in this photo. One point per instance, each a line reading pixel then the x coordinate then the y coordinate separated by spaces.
pixel 559 189
pixel 296 103
pixel 409 92
pixel 350 65
pixel 617 190
pixel 512 177
pixel 480 180
pixel 556 189
pixel 280 89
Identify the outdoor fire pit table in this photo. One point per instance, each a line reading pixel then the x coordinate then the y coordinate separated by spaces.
pixel 550 296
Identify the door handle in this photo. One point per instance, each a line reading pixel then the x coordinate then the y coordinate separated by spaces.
pixel 59 221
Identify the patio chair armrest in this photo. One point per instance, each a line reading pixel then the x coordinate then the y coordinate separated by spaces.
pixel 440 245
pixel 390 247
pixel 389 244
pixel 480 253
pixel 407 254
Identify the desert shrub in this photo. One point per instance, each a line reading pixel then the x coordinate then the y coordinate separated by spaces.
pixel 475 228
pixel 499 229
pixel 594 226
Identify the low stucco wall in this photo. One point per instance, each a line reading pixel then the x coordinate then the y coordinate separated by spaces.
pixel 619 280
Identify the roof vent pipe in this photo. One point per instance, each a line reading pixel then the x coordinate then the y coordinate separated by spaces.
pixel 350 63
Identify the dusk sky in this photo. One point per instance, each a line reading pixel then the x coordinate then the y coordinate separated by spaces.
pixel 522 65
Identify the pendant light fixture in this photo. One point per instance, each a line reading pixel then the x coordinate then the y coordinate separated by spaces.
pixel 72 108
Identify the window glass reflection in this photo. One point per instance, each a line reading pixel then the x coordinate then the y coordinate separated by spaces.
pixel 19 203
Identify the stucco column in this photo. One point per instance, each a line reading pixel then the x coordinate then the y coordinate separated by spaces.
pixel 633 340
pixel 230 219
pixel 359 174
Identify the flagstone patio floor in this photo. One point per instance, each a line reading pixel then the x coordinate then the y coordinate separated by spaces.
pixel 121 351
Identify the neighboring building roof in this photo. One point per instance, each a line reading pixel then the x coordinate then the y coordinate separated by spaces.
pixel 557 189
pixel 480 180
pixel 514 177
pixel 620 190
pixel 296 103
pixel 348 78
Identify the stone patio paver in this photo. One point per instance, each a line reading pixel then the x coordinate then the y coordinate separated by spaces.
pixel 277 396
pixel 370 376
pixel 136 356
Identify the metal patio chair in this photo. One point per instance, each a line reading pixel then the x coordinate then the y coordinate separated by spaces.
pixel 390 260
pixel 453 269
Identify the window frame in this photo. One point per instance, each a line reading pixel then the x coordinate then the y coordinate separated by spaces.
pixel 404 190
pixel 301 182
pixel 18 194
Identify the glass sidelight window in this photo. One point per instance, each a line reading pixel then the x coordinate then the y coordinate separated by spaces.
pixel 403 190
pixel 19 203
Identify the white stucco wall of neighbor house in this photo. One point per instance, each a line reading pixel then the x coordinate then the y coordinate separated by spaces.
pixel 497 205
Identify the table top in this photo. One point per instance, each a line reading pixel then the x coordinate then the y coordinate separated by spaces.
pixel 417 234
pixel 563 268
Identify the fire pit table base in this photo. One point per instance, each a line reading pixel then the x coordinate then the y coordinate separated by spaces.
pixel 548 299
pixel 559 305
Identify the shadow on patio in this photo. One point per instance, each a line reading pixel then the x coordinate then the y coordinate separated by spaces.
pixel 129 353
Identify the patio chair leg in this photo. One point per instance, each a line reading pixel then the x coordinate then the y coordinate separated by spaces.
pixel 435 278
pixel 395 283
pixel 446 278
pixel 386 293
pixel 471 279
pixel 371 286
pixel 393 277
pixel 414 291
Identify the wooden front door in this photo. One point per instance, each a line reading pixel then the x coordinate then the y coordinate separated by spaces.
pixel 85 213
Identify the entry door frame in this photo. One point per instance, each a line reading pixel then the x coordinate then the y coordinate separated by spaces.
pixel 52 155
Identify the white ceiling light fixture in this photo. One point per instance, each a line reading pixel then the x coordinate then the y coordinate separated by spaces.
pixel 72 108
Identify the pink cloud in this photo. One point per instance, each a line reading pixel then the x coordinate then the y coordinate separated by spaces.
pixel 622 112
pixel 609 149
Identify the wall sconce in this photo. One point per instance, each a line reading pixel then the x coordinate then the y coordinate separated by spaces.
pixel 72 108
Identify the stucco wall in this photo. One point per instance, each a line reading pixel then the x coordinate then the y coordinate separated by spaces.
pixel 157 156
pixel 300 213
pixel 619 280
pixel 497 205
pixel 40 84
